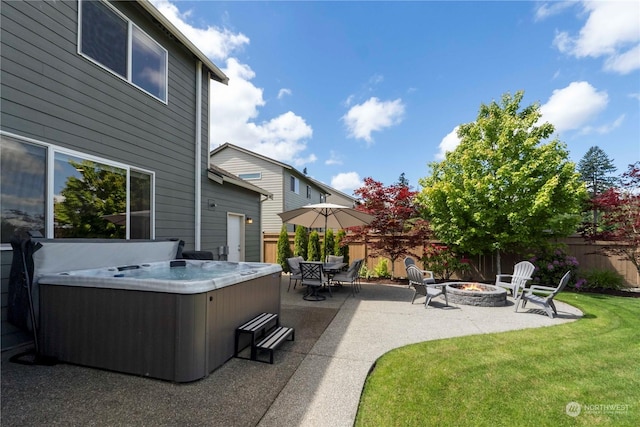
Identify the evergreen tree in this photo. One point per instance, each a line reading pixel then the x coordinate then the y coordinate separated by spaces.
pixel 340 249
pixel 595 168
pixel 313 251
pixel 329 244
pixel 284 249
pixel 301 242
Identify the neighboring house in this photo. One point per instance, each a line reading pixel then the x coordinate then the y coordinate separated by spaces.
pixel 289 187
pixel 104 132
pixel 336 197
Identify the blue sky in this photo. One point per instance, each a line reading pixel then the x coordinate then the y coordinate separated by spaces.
pixel 349 90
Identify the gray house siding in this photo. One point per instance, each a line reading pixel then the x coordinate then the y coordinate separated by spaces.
pixel 53 95
pixel 230 199
pixel 238 162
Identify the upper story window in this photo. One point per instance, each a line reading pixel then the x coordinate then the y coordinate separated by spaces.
pixel 295 185
pixel 115 43
pixel 62 194
pixel 308 191
pixel 250 176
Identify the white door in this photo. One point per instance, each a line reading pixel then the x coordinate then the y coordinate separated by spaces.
pixel 235 237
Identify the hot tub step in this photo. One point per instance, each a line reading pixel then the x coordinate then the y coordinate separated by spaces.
pixel 255 327
pixel 276 337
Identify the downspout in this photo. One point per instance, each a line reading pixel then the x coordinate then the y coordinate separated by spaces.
pixel 198 172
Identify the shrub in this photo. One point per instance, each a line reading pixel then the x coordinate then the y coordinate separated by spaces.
pixel 381 269
pixel 444 262
pixel 339 249
pixel 284 250
pixel 313 251
pixel 301 242
pixel 329 244
pixel 600 278
pixel 551 264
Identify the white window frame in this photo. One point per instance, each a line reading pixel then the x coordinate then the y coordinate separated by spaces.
pixel 128 77
pixel 250 176
pixel 294 184
pixel 51 150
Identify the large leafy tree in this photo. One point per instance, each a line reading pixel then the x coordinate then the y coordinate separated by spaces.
pixel 397 225
pixel 620 219
pixel 502 188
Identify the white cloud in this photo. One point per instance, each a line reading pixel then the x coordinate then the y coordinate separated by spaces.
pixel 346 182
pixel 334 159
pixel 573 106
pixel 283 92
pixel 372 115
pixel 216 43
pixel 603 129
pixel 612 30
pixel 235 108
pixel 549 9
pixel 448 143
pixel 635 95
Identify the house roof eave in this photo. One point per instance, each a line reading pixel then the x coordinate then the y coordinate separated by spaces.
pixel 216 73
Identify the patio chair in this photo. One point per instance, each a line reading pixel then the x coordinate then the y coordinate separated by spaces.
pixel 294 269
pixel 334 258
pixel 546 299
pixel 350 276
pixel 427 275
pixel 522 272
pixel 422 286
pixel 313 278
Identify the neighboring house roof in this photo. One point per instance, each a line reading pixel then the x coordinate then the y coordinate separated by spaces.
pixel 215 71
pixel 270 160
pixel 331 190
pixel 221 176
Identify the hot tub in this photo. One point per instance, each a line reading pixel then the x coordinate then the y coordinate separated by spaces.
pixel 173 319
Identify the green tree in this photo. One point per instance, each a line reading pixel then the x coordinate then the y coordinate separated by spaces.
pixel 341 249
pixel 595 168
pixel 313 252
pixel 301 242
pixel 329 244
pixel 85 202
pixel 501 188
pixel 284 249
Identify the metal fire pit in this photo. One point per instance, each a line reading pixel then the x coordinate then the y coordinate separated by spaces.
pixel 482 295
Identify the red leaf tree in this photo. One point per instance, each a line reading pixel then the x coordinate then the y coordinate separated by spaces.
pixel 397 227
pixel 620 210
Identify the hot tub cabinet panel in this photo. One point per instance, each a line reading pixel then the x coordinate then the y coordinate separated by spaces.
pixel 169 336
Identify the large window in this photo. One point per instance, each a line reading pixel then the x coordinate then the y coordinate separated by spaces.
pixel 90 198
pixel 22 187
pixel 114 42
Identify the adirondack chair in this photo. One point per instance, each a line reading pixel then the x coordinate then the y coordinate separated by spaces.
pixel 522 272
pixel 422 286
pixel 533 295
pixel 427 275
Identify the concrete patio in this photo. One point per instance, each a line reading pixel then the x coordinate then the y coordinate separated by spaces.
pixel 315 380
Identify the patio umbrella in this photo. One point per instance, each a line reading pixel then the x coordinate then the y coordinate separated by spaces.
pixel 326 215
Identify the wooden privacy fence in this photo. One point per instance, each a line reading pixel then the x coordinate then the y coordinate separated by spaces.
pixel 483 266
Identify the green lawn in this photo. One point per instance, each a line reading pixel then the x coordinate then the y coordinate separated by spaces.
pixel 517 378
